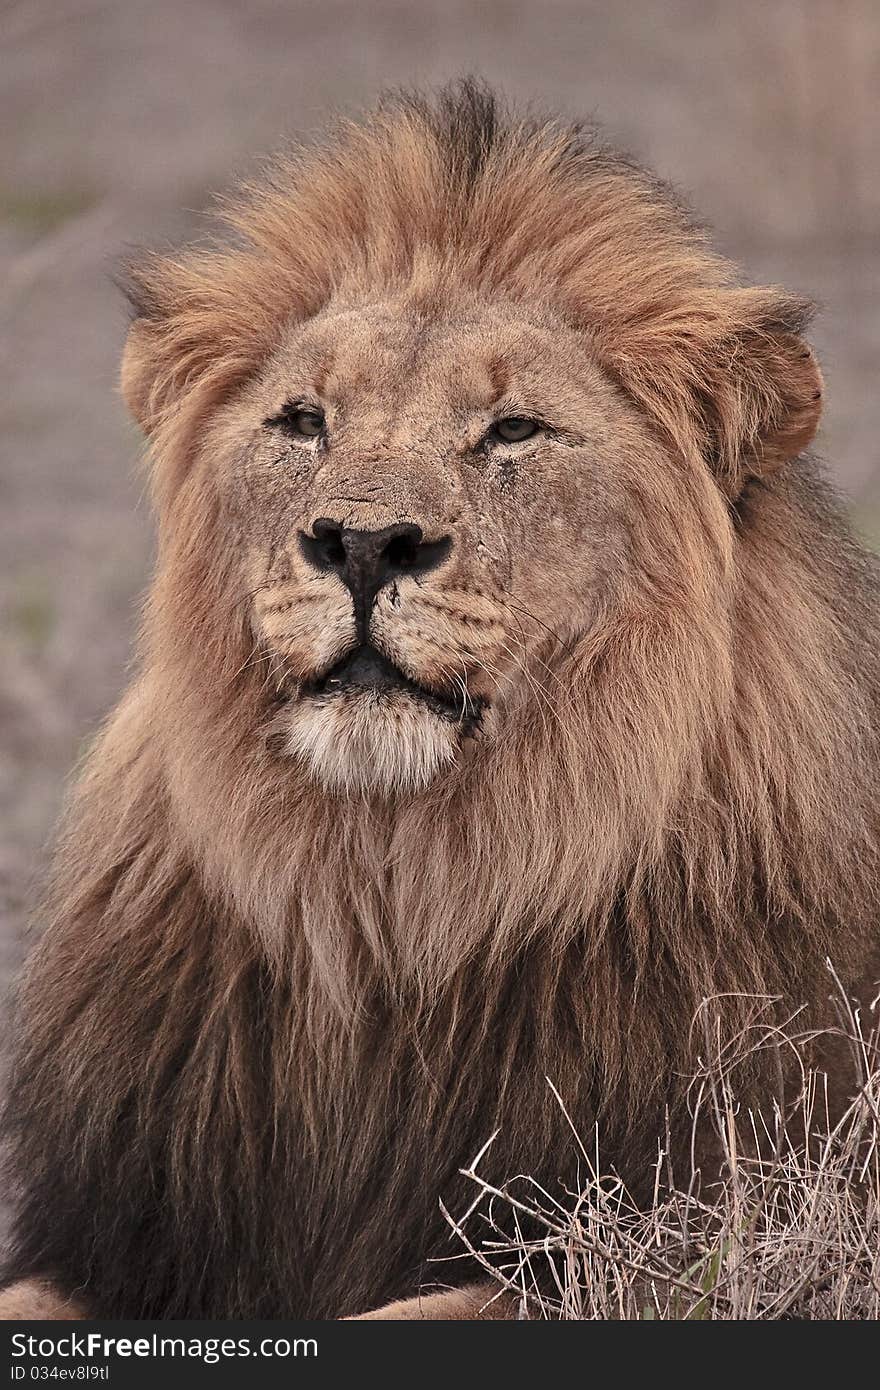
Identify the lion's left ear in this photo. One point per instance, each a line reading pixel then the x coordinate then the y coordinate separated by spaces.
pixel 764 404
pixel 761 398
pixel 794 414
pixel 728 375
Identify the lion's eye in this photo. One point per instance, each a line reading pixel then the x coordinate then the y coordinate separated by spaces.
pixel 300 420
pixel 309 423
pixel 514 429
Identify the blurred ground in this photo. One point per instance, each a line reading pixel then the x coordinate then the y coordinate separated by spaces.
pixel 117 118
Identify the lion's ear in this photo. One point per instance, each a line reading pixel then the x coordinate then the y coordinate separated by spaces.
pixel 191 335
pixel 727 374
pixel 764 403
pixel 138 374
pixel 799 388
pixel 147 367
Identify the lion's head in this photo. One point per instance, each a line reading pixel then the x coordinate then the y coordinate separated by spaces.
pixel 430 499
pixel 469 396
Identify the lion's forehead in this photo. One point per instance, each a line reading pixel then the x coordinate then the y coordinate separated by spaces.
pixel 391 357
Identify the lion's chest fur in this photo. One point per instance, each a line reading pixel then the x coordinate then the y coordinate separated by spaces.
pixel 249 1152
pixel 366 1132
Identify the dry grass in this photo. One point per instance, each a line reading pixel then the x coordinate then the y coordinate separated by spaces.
pixel 791 1231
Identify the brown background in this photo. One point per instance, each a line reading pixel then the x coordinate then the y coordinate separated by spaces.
pixel 117 119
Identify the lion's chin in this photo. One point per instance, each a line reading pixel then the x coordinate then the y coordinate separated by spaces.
pixel 370 743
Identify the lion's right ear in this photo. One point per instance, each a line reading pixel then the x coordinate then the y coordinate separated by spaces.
pixel 147 372
pixel 138 374
pixel 195 330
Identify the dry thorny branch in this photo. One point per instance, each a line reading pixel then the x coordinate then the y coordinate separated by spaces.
pixel 791 1230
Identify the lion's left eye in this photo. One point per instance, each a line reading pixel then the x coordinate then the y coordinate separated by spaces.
pixel 513 429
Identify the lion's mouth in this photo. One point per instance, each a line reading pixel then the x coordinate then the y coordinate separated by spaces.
pixel 367 670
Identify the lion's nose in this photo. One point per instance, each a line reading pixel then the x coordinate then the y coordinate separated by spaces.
pixel 367 560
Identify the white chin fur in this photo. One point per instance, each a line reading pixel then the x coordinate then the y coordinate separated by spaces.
pixel 370 744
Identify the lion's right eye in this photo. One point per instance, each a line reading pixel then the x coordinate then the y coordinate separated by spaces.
pixel 301 421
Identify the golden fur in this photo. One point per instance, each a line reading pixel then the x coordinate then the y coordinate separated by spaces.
pixel 304 952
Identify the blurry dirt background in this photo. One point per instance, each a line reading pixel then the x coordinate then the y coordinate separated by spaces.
pixel 118 118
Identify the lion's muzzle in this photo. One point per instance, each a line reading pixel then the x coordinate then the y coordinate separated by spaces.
pixel 366 561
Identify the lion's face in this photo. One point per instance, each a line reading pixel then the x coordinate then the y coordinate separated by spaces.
pixel 432 504
pixel 460 419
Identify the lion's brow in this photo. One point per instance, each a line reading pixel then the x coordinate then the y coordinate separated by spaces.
pixel 486 382
pixel 499 375
pixel 323 369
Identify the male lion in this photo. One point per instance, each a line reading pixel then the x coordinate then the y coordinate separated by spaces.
pixel 509 685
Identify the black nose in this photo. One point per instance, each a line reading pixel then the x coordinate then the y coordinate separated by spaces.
pixel 367 560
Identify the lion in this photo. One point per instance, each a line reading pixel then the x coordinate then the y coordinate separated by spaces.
pixel 508 687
